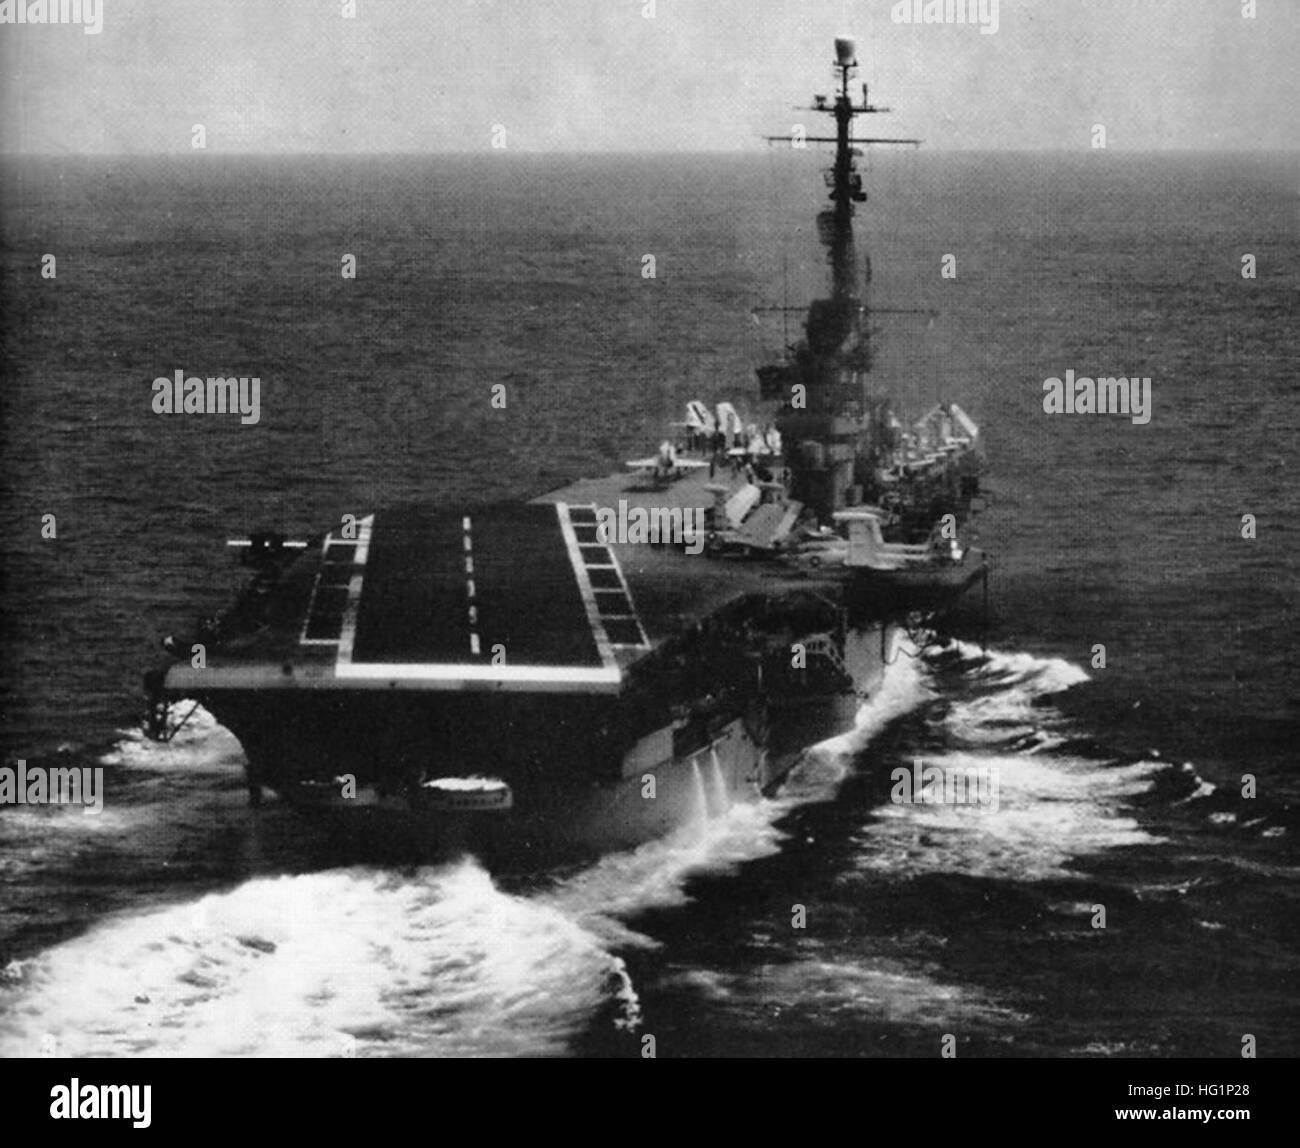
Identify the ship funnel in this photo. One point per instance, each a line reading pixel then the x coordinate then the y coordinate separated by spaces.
pixel 846 52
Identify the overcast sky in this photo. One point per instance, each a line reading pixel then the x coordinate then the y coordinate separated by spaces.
pixel 576 75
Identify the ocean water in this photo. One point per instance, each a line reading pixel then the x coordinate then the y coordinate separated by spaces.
pixel 177 922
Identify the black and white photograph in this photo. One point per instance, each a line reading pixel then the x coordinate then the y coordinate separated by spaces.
pixel 639 529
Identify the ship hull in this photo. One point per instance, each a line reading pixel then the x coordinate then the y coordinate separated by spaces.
pixel 580 785
pixel 915 587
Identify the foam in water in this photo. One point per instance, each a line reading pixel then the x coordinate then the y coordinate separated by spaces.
pixel 1052 808
pixel 439 963
pixel 1010 685
pixel 825 766
pixel 867 990
pixel 201 745
pixel 656 875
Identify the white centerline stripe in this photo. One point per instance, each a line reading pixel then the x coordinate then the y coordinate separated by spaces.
pixel 474 646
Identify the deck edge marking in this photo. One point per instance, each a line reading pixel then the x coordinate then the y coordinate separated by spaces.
pixel 348 632
pixel 585 589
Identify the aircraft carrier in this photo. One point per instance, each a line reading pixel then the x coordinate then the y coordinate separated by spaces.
pixel 538 676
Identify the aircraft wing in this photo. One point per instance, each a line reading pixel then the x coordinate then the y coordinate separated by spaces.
pixel 658 466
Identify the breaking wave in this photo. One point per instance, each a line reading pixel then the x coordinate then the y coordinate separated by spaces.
pixel 1050 807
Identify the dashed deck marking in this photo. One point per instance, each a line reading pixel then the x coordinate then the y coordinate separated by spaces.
pixel 466 526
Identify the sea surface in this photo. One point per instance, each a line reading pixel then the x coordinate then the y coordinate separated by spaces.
pixel 180 923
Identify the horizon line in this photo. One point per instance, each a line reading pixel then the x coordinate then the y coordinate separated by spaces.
pixel 204 153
